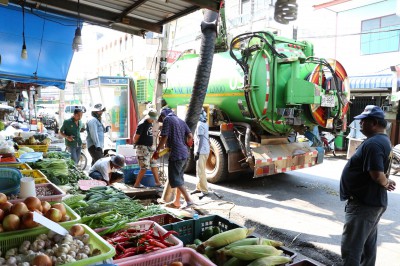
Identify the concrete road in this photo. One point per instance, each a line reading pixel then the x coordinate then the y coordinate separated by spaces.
pixel 303 209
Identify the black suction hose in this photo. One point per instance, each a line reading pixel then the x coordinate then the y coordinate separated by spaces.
pixel 203 72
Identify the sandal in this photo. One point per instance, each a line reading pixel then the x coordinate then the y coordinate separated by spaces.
pixel 188 205
pixel 171 205
pixel 140 186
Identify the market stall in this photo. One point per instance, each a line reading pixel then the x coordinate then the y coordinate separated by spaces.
pixel 69 219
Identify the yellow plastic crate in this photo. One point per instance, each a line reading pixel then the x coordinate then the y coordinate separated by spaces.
pixel 37 175
pixel 19 166
pixel 37 148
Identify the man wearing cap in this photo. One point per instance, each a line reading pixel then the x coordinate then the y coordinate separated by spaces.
pixel 364 184
pixel 95 133
pixel 143 141
pixel 71 131
pixel 106 169
pixel 176 135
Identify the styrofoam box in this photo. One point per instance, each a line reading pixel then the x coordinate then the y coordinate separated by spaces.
pixel 126 150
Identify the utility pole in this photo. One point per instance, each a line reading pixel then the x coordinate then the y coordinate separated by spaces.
pixel 161 73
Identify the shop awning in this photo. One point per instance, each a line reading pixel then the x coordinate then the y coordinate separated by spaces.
pixel 383 81
pixel 49 45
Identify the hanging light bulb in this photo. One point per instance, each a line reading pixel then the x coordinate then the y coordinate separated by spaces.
pixel 77 42
pixel 24 52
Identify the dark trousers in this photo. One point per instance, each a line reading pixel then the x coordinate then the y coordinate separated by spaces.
pixel 360 234
pixel 95 154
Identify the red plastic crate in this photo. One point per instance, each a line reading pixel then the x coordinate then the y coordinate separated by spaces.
pixel 187 256
pixel 162 219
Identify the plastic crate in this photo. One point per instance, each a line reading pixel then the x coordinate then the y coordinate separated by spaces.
pixel 57 196
pixel 159 230
pixel 107 251
pixel 187 256
pixel 162 219
pixel 19 166
pixel 10 179
pixel 8 158
pixel 38 175
pixel 191 229
pixel 75 218
pixel 37 148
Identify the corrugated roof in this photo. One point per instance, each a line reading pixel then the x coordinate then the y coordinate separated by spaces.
pixel 130 16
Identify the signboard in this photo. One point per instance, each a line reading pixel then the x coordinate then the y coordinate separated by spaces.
pixel 328 100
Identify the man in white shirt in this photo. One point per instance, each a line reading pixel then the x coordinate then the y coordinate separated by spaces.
pixel 201 152
pixel 106 168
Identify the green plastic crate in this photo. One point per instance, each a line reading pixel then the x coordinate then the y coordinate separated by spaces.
pixel 191 229
pixel 107 251
pixel 75 218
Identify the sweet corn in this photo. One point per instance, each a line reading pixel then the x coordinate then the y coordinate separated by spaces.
pixel 234 262
pixel 254 241
pixel 227 237
pixel 270 261
pixel 252 252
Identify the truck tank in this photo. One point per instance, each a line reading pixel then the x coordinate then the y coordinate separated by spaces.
pixel 274 84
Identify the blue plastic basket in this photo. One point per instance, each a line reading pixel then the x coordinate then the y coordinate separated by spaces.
pixel 10 181
pixel 129 174
pixel 148 178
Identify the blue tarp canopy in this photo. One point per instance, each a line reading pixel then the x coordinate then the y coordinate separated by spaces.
pixel 383 81
pixel 48 42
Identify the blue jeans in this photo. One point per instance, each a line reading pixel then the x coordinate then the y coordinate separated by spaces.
pixel 96 175
pixel 75 153
pixel 360 233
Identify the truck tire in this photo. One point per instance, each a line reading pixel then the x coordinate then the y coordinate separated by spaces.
pixel 190 166
pixel 217 162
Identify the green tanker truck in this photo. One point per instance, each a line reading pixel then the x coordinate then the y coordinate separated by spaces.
pixel 260 92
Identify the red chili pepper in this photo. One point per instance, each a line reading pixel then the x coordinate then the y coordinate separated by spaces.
pixel 125 255
pixel 138 250
pixel 167 234
pixel 120 247
pixel 118 239
pixel 156 243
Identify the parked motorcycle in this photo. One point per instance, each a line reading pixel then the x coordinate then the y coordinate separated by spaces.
pixel 50 122
pixel 396 159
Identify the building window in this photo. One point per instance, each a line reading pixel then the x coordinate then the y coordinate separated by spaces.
pixel 380 35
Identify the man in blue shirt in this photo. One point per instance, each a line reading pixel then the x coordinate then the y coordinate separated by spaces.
pixel 176 135
pixel 95 133
pixel 364 184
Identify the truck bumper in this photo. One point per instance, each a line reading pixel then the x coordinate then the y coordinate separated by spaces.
pixel 274 159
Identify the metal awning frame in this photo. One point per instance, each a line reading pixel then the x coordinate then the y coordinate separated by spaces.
pixel 107 14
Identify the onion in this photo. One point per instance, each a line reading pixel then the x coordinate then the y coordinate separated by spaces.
pixel 11 222
pixel 3 198
pixel 60 207
pixel 6 207
pixel 33 203
pixel 42 260
pixel 19 209
pixel 45 207
pixel 54 215
pixel 65 218
pixel 27 220
pixel 2 214
pixel 77 230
